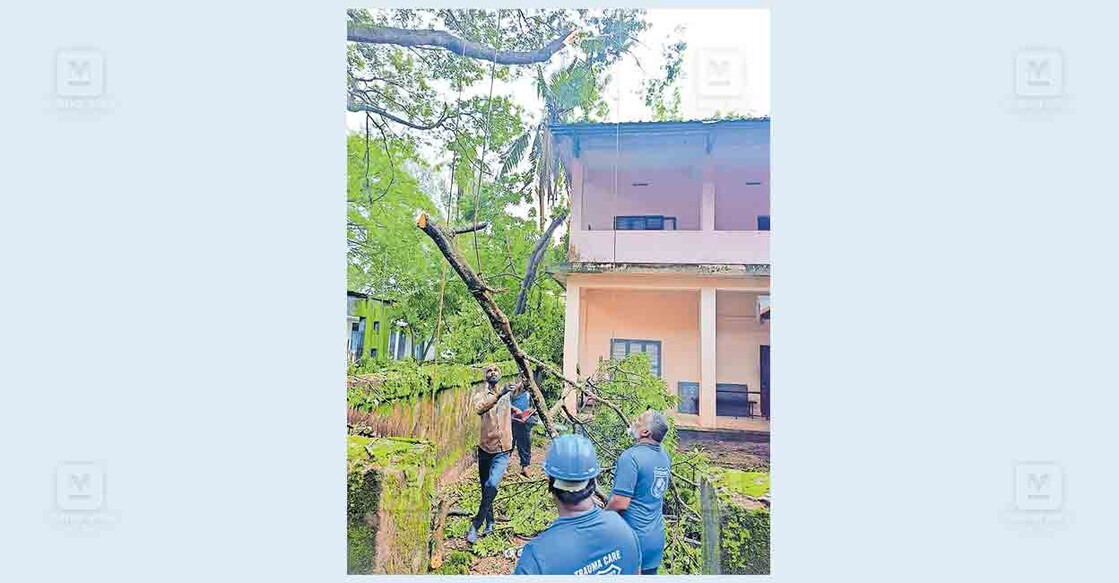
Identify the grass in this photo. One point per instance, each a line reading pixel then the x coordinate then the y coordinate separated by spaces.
pixel 752 484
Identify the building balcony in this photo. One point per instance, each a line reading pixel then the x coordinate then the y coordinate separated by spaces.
pixel 684 247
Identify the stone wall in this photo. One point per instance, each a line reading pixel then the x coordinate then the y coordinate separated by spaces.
pixel 390 485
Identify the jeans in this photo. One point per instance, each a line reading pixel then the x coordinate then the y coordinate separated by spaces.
pixel 491 467
pixel 522 437
pixel 652 571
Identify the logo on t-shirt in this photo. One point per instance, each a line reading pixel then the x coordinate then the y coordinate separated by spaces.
pixel 660 482
pixel 607 565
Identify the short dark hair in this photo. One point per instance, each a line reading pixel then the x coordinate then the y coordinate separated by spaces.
pixel 571 498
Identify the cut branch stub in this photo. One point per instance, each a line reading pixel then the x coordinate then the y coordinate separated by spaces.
pixel 478 288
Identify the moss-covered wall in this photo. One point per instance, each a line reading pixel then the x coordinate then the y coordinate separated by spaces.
pixel 743 522
pixel 391 483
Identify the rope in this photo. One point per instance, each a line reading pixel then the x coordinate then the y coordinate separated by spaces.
pixel 452 212
pixel 617 162
pixel 485 147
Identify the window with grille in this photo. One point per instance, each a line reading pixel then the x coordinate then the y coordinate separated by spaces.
pixel 621 348
pixel 645 223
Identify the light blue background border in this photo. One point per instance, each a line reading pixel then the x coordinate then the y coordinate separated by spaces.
pixel 942 267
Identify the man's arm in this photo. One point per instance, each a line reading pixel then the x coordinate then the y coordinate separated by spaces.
pixel 625 483
pixel 618 503
pixel 484 402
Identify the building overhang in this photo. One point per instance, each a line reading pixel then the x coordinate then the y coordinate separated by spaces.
pixel 561 272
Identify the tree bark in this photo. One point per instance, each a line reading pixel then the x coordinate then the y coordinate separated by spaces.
pixel 445 40
pixel 479 289
pixel 534 259
pixel 470 228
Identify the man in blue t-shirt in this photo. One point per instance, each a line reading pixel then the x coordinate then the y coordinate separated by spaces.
pixel 640 481
pixel 522 429
pixel 585 539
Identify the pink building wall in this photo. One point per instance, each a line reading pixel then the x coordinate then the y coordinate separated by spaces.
pixel 738 339
pixel 671 317
pixel 671 192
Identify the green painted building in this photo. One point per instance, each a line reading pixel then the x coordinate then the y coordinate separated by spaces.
pixel 375 330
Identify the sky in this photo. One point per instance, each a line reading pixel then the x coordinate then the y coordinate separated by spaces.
pixel 726 68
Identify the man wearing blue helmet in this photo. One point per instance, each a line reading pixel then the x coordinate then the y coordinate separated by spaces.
pixel 585 539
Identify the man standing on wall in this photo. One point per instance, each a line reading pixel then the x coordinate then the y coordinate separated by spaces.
pixel 495 444
pixel 640 481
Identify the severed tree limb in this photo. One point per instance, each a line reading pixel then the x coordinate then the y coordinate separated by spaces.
pixel 534 259
pixel 581 387
pixel 471 228
pixel 442 39
pixel 500 323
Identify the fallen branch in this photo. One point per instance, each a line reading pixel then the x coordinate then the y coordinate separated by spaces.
pixel 498 321
pixel 534 259
pixel 581 387
pixel 442 39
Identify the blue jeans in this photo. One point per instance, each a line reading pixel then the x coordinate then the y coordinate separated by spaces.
pixel 522 437
pixel 491 467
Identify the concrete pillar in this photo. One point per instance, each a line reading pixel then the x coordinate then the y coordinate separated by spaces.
pixel 572 321
pixel 707 357
pixel 707 204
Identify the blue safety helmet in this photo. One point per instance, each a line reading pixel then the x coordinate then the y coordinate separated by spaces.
pixel 571 458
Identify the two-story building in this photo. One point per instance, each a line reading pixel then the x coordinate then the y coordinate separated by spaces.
pixel 669 255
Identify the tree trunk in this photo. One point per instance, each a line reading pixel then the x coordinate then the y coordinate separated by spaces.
pixel 534 259
pixel 479 289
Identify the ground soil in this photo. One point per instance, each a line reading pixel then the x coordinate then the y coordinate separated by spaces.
pixel 743 452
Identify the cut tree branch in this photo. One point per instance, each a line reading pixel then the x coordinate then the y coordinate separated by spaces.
pixel 500 323
pixel 581 387
pixel 388 35
pixel 534 259
pixel 470 228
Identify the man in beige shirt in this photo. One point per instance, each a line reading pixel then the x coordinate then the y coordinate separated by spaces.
pixel 495 444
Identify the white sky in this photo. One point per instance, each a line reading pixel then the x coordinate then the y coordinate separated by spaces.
pixel 726 68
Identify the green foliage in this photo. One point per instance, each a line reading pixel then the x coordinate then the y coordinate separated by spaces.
pixel 407 379
pixel 662 94
pixel 745 536
pixel 631 386
pixel 456 563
